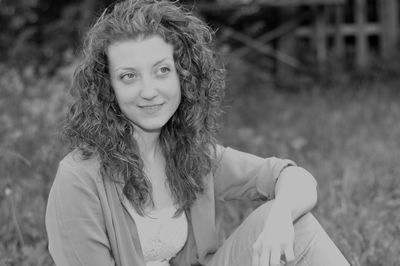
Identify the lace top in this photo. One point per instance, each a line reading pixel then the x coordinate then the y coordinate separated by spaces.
pixel 161 235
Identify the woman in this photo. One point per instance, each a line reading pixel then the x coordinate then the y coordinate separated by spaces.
pixel 140 185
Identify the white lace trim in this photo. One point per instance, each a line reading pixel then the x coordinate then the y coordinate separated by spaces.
pixel 161 235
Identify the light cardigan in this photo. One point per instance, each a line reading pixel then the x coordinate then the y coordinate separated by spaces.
pixel 88 223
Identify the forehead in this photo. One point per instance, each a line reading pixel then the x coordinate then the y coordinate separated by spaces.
pixel 143 51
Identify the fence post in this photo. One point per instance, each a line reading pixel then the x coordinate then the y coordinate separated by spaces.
pixel 389 26
pixel 320 34
pixel 338 36
pixel 361 37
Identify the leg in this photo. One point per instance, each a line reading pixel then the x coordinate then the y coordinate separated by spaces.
pixel 312 245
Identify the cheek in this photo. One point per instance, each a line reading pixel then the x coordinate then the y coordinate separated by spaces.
pixel 177 96
pixel 123 101
pixel 177 89
pixel 124 94
pixel 118 96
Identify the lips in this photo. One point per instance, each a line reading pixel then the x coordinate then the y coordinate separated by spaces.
pixel 151 107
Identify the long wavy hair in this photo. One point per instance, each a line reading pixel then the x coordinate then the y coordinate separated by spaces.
pixel 96 126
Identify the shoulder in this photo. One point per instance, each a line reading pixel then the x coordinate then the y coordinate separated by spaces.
pixel 77 160
pixel 219 151
pixel 74 168
pixel 228 155
pixel 74 194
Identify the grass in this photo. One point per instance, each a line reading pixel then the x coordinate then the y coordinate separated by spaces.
pixel 347 135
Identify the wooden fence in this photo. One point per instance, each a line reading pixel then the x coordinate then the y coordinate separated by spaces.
pixel 354 31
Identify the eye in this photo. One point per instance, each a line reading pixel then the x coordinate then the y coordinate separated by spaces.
pixel 128 76
pixel 164 70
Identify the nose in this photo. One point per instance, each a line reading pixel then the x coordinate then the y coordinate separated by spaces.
pixel 149 88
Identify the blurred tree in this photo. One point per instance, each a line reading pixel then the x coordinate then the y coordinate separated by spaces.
pixel 43 32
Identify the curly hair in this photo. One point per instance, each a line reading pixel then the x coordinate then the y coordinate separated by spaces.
pixel 96 126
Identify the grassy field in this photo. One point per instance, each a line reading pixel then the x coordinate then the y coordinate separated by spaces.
pixel 347 135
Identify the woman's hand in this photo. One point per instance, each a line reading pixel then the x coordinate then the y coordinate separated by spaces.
pixel 296 194
pixel 276 239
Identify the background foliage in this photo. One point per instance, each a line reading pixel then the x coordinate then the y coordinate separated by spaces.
pixel 343 128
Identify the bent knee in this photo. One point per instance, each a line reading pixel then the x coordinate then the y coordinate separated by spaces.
pixel 307 223
pixel 306 228
pixel 313 244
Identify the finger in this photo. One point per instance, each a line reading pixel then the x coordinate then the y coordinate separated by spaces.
pixel 265 256
pixel 256 255
pixel 275 259
pixel 256 260
pixel 289 255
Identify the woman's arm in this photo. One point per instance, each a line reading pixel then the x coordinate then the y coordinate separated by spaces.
pixel 245 176
pixel 242 175
pixel 296 191
pixel 296 194
pixel 74 221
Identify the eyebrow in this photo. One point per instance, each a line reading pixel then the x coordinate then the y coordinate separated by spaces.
pixel 156 63
pixel 162 60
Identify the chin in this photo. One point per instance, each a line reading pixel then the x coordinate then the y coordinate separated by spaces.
pixel 151 128
pixel 151 125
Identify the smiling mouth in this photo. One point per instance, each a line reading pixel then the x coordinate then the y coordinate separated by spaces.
pixel 151 107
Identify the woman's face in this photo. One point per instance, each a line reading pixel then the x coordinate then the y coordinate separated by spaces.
pixel 145 81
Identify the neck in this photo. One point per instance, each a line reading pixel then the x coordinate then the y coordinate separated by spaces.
pixel 148 143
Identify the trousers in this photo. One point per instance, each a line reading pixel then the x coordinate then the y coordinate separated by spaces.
pixel 312 245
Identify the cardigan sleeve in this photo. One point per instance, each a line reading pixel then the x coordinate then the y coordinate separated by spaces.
pixel 241 175
pixel 74 220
